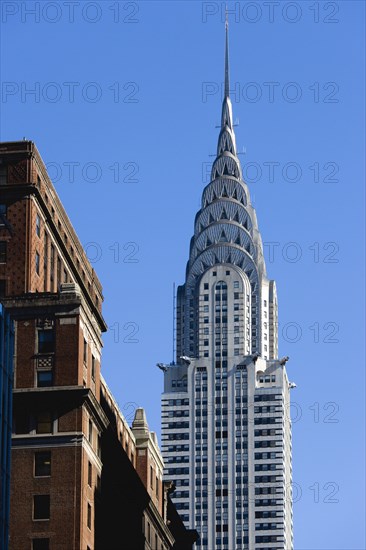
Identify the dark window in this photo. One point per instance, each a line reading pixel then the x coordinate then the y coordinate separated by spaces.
pixel 58 271
pixel 52 267
pixel 90 434
pixel 89 519
pixel 85 351
pixel 3 246
pixel 3 210
pixel 90 474
pixel 3 174
pixel 41 507
pixel 46 341
pixel 42 463
pixel 93 368
pixel 38 225
pixel 44 423
pixel 40 544
pixel 45 261
pixel 44 378
pixel 37 263
pixel 99 446
pixel 21 422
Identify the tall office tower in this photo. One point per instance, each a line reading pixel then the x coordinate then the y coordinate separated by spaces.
pixel 226 431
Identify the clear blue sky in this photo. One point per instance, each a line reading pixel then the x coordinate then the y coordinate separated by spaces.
pixel 130 92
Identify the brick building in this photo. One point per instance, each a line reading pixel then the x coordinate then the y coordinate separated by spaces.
pixel 133 492
pixel 68 434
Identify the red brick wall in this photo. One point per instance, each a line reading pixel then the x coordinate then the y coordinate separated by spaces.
pixel 142 466
pixel 13 270
pixel 144 463
pixel 64 487
pixel 88 497
pixel 68 352
pixel 25 353
pixel 23 242
pixel 68 483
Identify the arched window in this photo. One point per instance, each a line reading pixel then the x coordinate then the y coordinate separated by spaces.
pixel 221 285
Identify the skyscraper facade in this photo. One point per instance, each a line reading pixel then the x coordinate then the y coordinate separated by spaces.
pixel 226 430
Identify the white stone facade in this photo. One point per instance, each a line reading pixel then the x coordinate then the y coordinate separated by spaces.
pixel 226 430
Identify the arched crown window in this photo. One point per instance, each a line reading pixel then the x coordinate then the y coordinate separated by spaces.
pixel 221 285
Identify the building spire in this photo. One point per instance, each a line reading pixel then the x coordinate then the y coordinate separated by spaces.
pixel 227 81
pixel 226 118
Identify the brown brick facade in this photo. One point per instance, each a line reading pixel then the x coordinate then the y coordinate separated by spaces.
pixel 64 490
pixel 74 482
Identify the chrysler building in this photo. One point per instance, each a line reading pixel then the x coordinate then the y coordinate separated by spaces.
pixel 226 428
